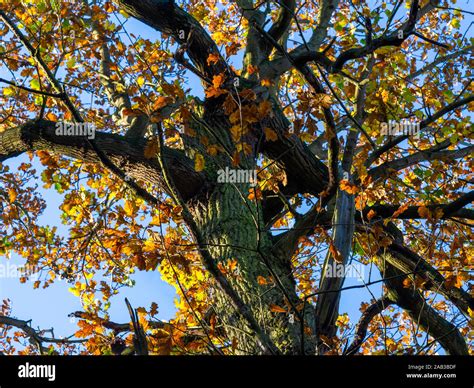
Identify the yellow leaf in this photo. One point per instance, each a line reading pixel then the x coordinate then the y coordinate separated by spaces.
pixel 129 208
pixel 124 14
pixel 199 162
pixel 12 195
pixel 9 91
pixel 74 291
pixel 236 132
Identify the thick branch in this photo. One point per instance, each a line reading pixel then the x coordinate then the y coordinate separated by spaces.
pixel 169 19
pixel 408 261
pixel 127 155
pixel 388 168
pixel 453 209
pixel 284 18
pixel 35 335
pixel 422 313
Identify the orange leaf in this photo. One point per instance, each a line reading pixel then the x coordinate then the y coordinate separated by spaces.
pixel 277 309
pixel 400 210
pixel 161 102
pixel 51 116
pixel 12 195
pixel 424 212
pixel 348 187
pixel 270 134
pixel 131 112
pixel 218 80
pixel 335 253
pixel 371 214
pixel 212 58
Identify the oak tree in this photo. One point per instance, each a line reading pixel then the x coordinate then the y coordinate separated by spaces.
pixel 312 96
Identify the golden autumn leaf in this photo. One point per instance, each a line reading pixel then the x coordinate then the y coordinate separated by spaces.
pixel 130 208
pixel 12 194
pixel 236 132
pixel 323 99
pixel 424 212
pixel 270 134
pixel 336 255
pixel 199 162
pixel 212 58
pixel 348 187
pixel 371 214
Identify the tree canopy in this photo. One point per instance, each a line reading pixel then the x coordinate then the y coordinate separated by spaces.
pixel 354 118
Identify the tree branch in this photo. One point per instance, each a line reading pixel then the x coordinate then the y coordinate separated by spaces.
pixel 392 166
pixel 361 329
pixel 169 19
pixel 41 135
pixel 392 143
pixel 35 335
pixel 421 313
